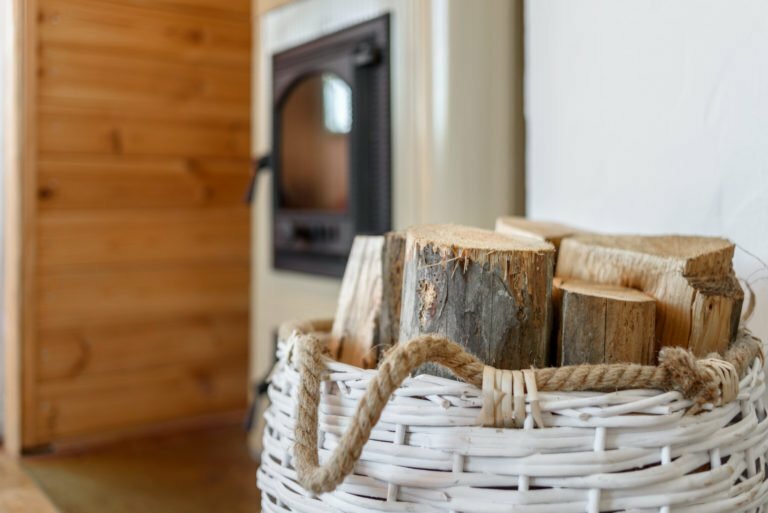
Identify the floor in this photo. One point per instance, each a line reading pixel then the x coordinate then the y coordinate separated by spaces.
pixel 204 471
pixel 18 493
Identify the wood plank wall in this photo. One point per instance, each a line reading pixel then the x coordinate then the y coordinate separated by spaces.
pixel 138 270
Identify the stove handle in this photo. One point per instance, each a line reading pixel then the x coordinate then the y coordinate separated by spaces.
pixel 261 164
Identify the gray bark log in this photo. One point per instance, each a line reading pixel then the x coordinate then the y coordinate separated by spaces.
pixel 488 292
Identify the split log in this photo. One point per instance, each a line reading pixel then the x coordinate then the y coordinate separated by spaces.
pixel 355 326
pixel 698 296
pixel 555 355
pixel 604 324
pixel 392 288
pixel 540 230
pixel 488 292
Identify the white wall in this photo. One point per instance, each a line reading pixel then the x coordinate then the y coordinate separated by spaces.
pixel 652 116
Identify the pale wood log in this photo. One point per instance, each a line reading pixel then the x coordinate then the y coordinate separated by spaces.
pixel 540 230
pixel 488 292
pixel 604 324
pixel 555 353
pixel 355 325
pixel 392 288
pixel 698 296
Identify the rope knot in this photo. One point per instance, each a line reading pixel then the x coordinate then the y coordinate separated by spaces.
pixel 710 380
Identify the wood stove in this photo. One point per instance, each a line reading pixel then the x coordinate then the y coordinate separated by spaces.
pixel 331 154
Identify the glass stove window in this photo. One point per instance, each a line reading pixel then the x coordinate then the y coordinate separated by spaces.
pixel 337 104
pixel 316 119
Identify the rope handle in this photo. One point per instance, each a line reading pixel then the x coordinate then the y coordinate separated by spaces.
pixel 709 380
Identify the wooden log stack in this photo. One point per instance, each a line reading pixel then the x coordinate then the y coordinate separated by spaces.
pixel 537 294
pixel 698 296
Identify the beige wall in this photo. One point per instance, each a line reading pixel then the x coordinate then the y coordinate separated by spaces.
pixel 457 129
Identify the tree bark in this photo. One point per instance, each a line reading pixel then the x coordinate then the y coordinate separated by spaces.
pixel 488 292
pixel 392 288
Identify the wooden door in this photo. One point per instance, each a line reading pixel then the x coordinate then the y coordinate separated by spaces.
pixel 131 240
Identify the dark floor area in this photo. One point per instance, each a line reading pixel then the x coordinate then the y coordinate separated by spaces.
pixel 205 471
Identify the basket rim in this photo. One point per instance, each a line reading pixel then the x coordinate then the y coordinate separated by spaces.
pixel 703 381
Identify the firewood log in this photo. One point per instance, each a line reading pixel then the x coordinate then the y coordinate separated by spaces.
pixel 604 324
pixel 698 296
pixel 355 326
pixel 541 230
pixel 488 292
pixel 392 288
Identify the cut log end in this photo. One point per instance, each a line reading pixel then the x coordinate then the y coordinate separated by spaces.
pixel 476 243
pixel 608 292
pixel 604 324
pixel 541 230
pixel 692 255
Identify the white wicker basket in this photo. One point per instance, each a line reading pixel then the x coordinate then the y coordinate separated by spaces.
pixel 630 450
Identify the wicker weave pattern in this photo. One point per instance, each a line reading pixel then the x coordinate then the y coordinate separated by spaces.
pixel 622 451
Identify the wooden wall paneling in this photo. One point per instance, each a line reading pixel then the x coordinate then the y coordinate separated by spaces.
pixel 119 182
pixel 140 293
pixel 68 132
pixel 142 28
pixel 233 8
pixel 19 220
pixel 133 242
pixel 105 348
pixel 79 239
pixel 27 240
pixel 150 395
pixel 151 86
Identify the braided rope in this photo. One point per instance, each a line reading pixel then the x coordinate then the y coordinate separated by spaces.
pixel 397 366
pixel 678 370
